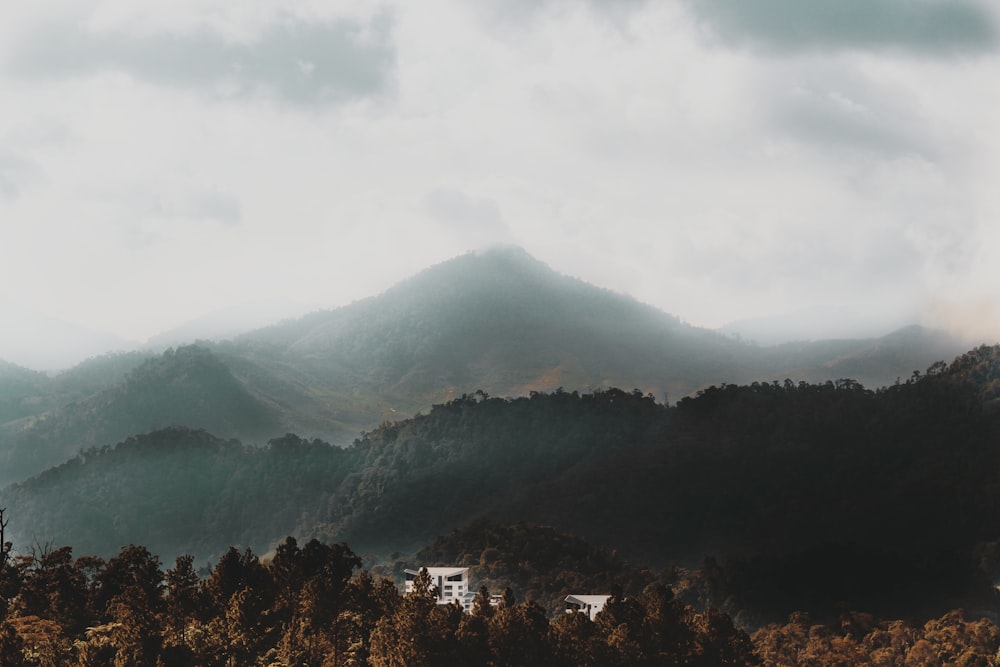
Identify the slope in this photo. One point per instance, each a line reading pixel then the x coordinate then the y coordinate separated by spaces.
pixel 176 491
pixel 498 321
pixel 810 494
pixel 189 387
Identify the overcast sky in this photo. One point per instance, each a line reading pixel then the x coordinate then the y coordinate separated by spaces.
pixel 719 159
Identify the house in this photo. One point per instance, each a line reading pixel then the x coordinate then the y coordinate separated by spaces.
pixel 586 604
pixel 452 585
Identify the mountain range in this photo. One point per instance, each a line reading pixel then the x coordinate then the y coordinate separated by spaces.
pixel 497 321
pixel 487 387
pixel 791 495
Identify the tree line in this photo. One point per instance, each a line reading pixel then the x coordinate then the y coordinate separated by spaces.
pixel 313 605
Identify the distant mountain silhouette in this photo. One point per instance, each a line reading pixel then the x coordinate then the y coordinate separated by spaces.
pixel 498 321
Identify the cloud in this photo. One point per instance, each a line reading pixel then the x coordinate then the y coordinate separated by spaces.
pixel 206 205
pixel 16 172
pixel 833 113
pixel 475 221
pixel 920 26
pixel 297 61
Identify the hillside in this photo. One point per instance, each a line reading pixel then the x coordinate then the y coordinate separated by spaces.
pixel 189 387
pixel 21 391
pixel 175 491
pixel 885 499
pixel 180 489
pixel 498 321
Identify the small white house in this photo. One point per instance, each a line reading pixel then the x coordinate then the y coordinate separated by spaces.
pixel 452 584
pixel 586 604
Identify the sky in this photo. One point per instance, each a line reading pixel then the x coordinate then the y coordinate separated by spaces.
pixel 829 167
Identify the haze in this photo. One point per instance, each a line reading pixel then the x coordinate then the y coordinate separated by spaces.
pixel 805 170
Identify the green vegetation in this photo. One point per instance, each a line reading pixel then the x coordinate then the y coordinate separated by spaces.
pixel 500 322
pixel 311 605
pixel 538 563
pixel 812 497
pixel 308 606
pixel 178 491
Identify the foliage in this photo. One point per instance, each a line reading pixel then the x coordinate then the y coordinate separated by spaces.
pixel 819 497
pixel 499 321
pixel 862 639
pixel 538 563
pixel 178 490
pixel 309 605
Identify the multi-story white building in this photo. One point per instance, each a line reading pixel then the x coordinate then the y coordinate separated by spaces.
pixel 452 584
pixel 586 604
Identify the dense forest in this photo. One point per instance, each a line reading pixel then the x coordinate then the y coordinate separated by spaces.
pixel 313 605
pixel 783 496
pixel 501 322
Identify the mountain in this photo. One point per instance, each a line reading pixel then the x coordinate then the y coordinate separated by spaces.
pixel 176 490
pixel 20 391
pixel 808 496
pixel 189 386
pixel 498 321
pixel 179 488
pixel 874 362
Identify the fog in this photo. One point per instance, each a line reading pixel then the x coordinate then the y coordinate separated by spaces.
pixel 783 172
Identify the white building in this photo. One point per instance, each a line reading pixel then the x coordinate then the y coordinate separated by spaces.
pixel 586 604
pixel 452 584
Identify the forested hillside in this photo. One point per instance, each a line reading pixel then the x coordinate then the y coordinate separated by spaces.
pixel 500 321
pixel 180 490
pixel 176 491
pixel 309 604
pixel 190 386
pixel 537 563
pixel 802 496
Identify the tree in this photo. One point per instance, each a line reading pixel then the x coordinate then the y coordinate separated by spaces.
pixel 134 573
pixel 11 646
pixel 45 644
pixel 8 575
pixel 403 638
pixel 312 591
pixel 575 642
pixel 5 546
pixel 183 599
pixel 668 635
pixel 52 588
pixel 518 634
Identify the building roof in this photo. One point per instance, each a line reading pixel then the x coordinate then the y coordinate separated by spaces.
pixel 440 571
pixel 587 599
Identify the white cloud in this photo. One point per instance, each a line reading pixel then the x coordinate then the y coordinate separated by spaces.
pixel 619 142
